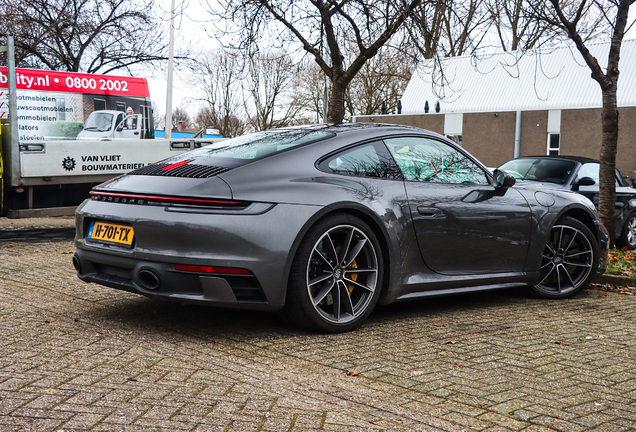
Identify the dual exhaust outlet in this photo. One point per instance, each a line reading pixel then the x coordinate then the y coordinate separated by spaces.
pixel 147 278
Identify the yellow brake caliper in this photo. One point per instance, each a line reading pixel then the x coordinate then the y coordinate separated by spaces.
pixel 354 276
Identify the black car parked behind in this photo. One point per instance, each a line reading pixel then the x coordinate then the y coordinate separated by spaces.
pixel 581 175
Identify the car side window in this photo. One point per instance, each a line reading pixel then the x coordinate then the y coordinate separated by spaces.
pixel 591 169
pixel 428 160
pixel 366 160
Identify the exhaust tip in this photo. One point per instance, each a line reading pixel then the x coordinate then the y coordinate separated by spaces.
pixel 149 279
pixel 77 264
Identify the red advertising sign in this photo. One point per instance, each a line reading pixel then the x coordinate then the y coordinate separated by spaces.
pixel 72 82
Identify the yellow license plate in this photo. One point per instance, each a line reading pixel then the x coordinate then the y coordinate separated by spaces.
pixel 111 233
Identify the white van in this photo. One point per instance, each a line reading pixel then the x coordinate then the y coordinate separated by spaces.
pixel 107 125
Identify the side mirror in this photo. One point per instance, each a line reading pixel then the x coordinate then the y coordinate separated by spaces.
pixel 504 179
pixel 583 181
pixel 586 181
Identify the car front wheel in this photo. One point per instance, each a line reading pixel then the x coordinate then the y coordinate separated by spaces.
pixel 570 257
pixel 336 275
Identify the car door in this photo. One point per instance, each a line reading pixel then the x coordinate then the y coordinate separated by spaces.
pixel 463 225
pixel 129 127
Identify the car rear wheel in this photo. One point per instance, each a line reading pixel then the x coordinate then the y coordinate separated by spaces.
pixel 336 275
pixel 570 257
pixel 628 237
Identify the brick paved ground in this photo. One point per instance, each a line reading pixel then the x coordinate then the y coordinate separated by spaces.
pixel 77 356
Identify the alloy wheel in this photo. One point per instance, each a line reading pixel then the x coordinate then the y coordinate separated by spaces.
pixel 342 274
pixel 630 234
pixel 567 261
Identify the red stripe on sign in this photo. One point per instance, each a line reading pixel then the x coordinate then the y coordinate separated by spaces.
pixel 73 82
pixel 174 165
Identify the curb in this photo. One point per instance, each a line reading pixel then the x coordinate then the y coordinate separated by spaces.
pixel 37 233
pixel 614 280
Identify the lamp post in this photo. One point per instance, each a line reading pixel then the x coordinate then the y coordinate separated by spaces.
pixel 168 130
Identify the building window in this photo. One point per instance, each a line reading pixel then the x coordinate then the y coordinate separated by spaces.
pixel 121 106
pixel 554 144
pixel 100 104
pixel 60 109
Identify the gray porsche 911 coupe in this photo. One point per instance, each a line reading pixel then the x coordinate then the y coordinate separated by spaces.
pixel 324 222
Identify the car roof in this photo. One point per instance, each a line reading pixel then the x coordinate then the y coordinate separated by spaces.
pixel 353 127
pixel 579 159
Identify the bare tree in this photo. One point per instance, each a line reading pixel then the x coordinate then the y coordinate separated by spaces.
pixel 518 23
pixel 158 118
pixel 381 79
pixel 311 91
pixel 203 119
pixel 270 86
pixel 83 35
pixel 448 28
pixel 307 23
pixel 577 20
pixel 180 115
pixel 218 74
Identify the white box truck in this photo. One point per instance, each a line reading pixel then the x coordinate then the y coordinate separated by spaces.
pixel 64 132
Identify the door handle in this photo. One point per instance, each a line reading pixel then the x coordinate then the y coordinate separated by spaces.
pixel 429 212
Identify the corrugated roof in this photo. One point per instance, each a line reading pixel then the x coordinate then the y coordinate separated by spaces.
pixel 555 78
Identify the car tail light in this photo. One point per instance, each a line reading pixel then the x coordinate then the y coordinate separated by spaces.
pixel 135 198
pixel 209 269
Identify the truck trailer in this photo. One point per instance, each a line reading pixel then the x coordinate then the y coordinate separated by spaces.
pixel 65 132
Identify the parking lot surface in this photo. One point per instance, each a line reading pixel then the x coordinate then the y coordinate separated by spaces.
pixel 76 356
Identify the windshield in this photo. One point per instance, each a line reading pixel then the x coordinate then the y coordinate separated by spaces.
pixel 99 121
pixel 261 144
pixel 541 170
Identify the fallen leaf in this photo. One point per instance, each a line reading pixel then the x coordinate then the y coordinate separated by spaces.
pixel 439 325
pixel 131 379
pixel 417 372
pixel 352 372
pixel 563 343
pixel 482 404
pixel 450 342
pixel 64 253
pixel 602 294
pixel 452 394
pixel 442 353
pixel 458 366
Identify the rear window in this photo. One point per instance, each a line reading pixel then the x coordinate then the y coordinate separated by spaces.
pixel 261 144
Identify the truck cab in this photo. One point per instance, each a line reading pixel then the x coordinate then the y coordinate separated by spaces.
pixel 107 125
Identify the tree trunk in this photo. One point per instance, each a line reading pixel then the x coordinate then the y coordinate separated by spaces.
pixel 336 109
pixel 607 190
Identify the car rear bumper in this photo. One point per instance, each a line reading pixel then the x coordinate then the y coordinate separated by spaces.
pixel 260 247
pixel 161 280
